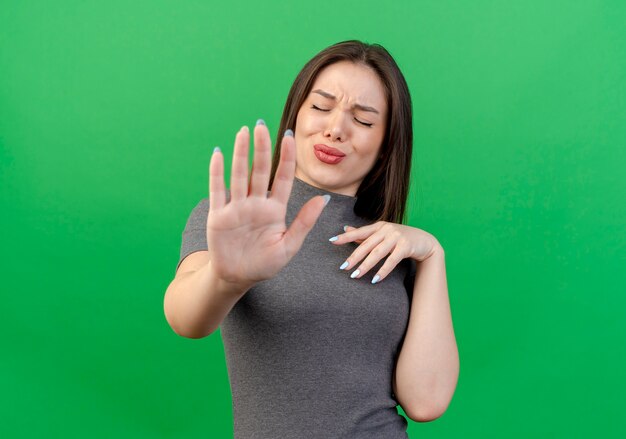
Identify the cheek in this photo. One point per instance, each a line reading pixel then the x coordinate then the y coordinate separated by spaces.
pixel 309 124
pixel 370 144
pixel 300 135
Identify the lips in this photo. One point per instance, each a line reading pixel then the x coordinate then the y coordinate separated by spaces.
pixel 328 150
pixel 328 155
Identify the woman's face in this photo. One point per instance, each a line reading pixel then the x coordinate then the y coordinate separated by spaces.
pixel 340 127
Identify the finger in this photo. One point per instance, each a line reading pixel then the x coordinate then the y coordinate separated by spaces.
pixel 303 223
pixel 361 234
pixel 374 257
pixel 283 179
pixel 217 193
pixel 350 228
pixel 392 261
pixel 260 176
pixel 363 250
pixel 239 174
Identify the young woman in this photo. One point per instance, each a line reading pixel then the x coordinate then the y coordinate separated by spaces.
pixel 331 311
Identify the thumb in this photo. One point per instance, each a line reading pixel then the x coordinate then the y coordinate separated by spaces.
pixel 302 224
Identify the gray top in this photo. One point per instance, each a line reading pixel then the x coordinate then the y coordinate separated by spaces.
pixel 311 352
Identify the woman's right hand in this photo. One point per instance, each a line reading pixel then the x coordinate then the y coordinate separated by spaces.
pixel 247 238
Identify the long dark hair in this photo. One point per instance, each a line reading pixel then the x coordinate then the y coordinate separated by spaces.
pixel 383 192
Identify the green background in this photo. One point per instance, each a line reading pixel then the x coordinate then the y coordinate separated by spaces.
pixel 109 112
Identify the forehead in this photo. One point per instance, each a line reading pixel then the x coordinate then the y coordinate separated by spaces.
pixel 353 82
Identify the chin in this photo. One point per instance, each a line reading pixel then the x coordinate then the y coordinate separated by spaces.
pixel 332 183
pixel 326 177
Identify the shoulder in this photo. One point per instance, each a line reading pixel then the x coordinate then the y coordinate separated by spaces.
pixel 198 216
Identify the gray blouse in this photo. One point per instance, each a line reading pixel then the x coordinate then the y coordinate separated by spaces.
pixel 311 352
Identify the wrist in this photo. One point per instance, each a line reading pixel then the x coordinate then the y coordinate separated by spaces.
pixel 230 287
pixel 436 250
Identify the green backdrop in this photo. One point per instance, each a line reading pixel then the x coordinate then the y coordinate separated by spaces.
pixel 109 112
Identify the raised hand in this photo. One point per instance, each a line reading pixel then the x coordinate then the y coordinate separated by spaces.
pixel 247 238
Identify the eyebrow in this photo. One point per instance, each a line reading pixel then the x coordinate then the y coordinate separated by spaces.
pixel 357 106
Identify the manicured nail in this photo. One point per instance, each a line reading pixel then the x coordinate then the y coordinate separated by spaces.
pixel 345 228
pixel 333 239
pixel 288 133
pixel 376 279
pixel 216 149
pixel 326 199
pixel 344 265
pixel 355 274
pixel 260 122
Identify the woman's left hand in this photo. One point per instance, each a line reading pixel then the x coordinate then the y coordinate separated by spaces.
pixel 381 239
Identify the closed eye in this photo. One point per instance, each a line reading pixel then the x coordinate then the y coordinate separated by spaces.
pixel 362 123
pixel 317 108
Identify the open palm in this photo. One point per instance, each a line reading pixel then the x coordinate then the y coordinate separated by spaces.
pixel 248 240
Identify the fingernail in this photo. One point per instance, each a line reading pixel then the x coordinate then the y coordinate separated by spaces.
pixel 355 274
pixel 216 149
pixel 326 199
pixel 344 265
pixel 289 133
pixel 333 239
pixel 376 279
pixel 245 128
pixel 345 228
pixel 260 122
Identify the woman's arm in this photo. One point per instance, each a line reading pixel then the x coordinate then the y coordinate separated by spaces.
pixel 197 300
pixel 247 240
pixel 428 365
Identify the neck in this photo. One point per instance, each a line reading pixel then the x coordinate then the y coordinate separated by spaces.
pixel 349 191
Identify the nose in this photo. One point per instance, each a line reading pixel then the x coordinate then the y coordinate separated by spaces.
pixel 335 129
